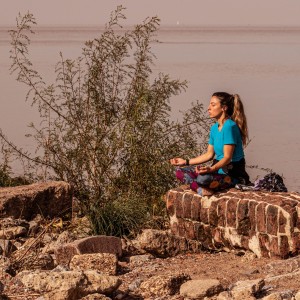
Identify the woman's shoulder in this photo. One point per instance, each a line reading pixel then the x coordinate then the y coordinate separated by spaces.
pixel 230 123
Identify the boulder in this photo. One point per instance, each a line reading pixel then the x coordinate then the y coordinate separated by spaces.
pixel 247 289
pixel 69 285
pixel 46 198
pixel 93 244
pixel 162 285
pixel 198 289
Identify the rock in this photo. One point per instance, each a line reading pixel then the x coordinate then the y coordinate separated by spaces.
pixel 11 222
pixel 163 285
pixel 135 284
pixel 279 267
pixel 161 243
pixel 35 261
pixel 138 260
pixel 94 244
pixel 198 289
pixel 12 232
pixel 273 296
pixel 277 279
pixel 46 198
pixel 64 238
pixel 247 289
pixel 5 264
pixel 69 285
pixel 99 283
pixel 297 296
pixel 35 225
pixel 224 296
pixel 105 263
pixel 286 295
pixel 6 247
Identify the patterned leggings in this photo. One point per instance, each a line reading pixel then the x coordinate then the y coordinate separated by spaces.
pixel 214 181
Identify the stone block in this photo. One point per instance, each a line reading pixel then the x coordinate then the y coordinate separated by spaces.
pixel 93 244
pixel 284 247
pixel 274 247
pixel 178 205
pixel 174 227
pixel 189 230
pixel 218 237
pixel 296 242
pixel 272 219
pixel 186 205
pixel 195 208
pixel 170 202
pixel 252 215
pixel 222 212
pixel 261 225
pixel 204 214
pixel 181 228
pixel 208 237
pixel 282 222
pixel 264 244
pixel 243 219
pixel 231 212
pixel 213 214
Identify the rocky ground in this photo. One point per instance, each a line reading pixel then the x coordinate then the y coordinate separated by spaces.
pixel 57 259
pixel 143 275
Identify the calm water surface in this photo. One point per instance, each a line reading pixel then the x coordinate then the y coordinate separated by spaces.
pixel 262 65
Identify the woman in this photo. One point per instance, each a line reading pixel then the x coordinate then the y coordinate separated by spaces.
pixel 227 138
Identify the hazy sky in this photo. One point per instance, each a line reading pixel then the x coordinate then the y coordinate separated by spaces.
pixel 186 12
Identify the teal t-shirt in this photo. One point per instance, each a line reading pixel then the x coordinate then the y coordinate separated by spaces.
pixel 229 135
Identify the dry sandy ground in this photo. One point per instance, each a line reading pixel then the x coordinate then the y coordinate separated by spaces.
pixel 228 268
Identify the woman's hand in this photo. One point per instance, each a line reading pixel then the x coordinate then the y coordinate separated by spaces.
pixel 203 170
pixel 177 161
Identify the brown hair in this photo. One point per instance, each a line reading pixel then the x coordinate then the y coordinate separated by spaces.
pixel 235 110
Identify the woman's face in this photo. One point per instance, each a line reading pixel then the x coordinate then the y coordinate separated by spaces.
pixel 215 110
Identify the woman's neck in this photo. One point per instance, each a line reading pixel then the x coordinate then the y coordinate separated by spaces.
pixel 221 120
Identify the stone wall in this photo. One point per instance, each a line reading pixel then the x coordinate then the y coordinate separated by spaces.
pixel 266 223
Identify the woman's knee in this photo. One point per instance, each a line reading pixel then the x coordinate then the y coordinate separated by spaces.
pixel 185 176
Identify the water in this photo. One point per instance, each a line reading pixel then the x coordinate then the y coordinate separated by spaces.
pixel 260 64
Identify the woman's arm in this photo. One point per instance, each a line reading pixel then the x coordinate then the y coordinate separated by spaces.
pixel 228 153
pixel 207 156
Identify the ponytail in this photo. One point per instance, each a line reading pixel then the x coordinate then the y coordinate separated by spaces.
pixel 239 117
pixel 235 110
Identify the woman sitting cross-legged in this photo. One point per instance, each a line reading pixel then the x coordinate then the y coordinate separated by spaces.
pixel 226 140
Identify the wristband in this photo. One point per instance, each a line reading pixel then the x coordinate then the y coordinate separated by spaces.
pixel 187 162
